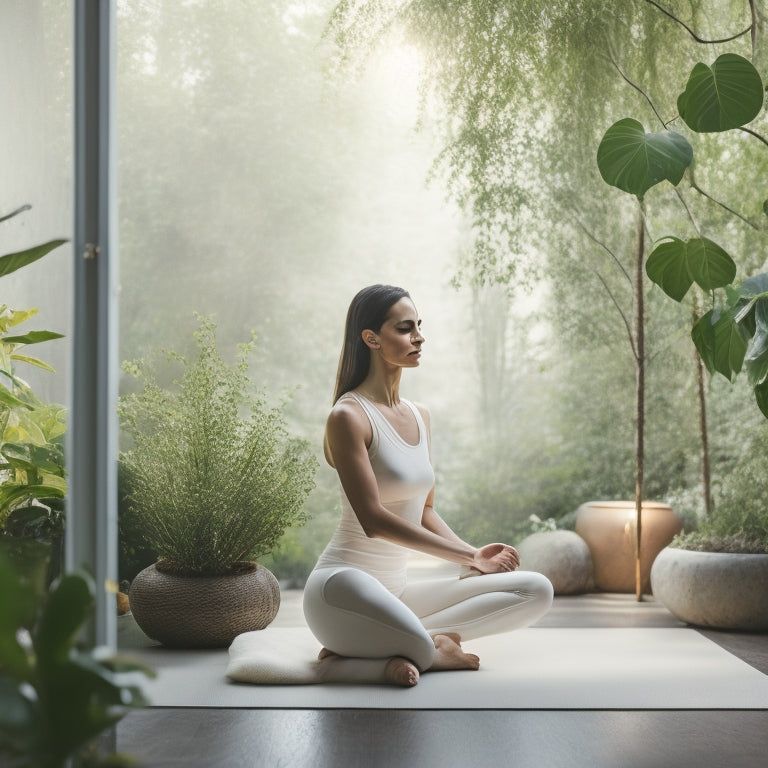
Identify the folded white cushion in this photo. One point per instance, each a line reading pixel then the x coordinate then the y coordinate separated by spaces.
pixel 271 656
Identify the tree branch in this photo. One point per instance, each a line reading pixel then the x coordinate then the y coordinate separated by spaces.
pixel 688 211
pixel 754 133
pixel 620 311
pixel 695 186
pixel 635 86
pixel 605 248
pixel 692 33
pixel 26 207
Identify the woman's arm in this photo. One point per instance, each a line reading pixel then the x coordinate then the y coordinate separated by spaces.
pixel 432 521
pixel 346 432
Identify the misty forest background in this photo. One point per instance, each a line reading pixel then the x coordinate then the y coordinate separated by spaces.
pixel 274 157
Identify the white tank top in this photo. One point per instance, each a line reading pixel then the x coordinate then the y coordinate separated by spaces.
pixel 405 477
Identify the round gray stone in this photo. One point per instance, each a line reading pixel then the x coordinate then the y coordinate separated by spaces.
pixel 713 589
pixel 562 556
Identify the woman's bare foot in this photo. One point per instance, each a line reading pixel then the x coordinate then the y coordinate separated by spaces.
pixel 448 654
pixel 400 671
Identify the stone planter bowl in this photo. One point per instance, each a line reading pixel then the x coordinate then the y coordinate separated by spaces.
pixel 713 589
pixel 609 529
pixel 203 611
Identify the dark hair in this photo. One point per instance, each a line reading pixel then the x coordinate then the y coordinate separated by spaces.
pixel 368 310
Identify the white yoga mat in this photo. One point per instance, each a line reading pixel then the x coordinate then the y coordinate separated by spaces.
pixel 536 668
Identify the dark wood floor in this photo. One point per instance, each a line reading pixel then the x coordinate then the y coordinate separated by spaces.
pixel 234 738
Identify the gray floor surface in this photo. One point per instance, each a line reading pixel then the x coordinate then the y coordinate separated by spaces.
pixel 291 738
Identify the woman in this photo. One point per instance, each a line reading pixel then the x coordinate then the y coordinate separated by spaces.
pixel 374 626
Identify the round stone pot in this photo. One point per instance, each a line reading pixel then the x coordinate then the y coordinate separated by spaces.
pixel 609 528
pixel 203 611
pixel 713 589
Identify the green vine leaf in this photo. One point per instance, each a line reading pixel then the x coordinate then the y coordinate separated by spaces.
pixel 703 335
pixel 675 265
pixel 634 161
pixel 726 95
pixel 730 346
pixel 761 395
pixel 756 357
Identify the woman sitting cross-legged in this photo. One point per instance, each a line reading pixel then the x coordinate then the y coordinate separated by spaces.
pixel 373 624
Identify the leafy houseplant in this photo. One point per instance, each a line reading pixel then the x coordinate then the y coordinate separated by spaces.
pixel 32 475
pixel 55 699
pixel 725 96
pixel 213 478
pixel 718 576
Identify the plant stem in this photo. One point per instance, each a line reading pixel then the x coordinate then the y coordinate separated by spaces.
pixel 695 186
pixel 636 87
pixel 692 33
pixel 705 472
pixel 640 391
pixel 25 207
pixel 688 211
pixel 620 310
pixel 754 133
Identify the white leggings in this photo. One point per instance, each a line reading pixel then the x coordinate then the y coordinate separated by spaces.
pixel 352 614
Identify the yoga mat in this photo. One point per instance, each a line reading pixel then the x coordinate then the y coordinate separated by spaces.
pixel 535 668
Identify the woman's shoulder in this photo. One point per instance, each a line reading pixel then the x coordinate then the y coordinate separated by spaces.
pixel 348 416
pixel 347 424
pixel 423 410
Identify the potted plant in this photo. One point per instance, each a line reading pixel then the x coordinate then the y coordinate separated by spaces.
pixel 212 481
pixel 55 699
pixel 32 474
pixel 717 575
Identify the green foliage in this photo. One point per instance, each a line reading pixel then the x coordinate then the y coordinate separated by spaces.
pixel 54 697
pixel 31 431
pixel 674 265
pixel 634 161
pixel 13 261
pixel 726 95
pixel 213 477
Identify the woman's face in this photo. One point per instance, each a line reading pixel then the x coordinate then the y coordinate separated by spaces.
pixel 399 340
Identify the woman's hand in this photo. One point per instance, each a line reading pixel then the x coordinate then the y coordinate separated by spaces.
pixel 496 558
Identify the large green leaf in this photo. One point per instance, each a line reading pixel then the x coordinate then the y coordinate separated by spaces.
pixel 703 335
pixel 744 302
pixel 14 493
pixel 761 313
pixel 726 95
pixel 633 160
pixel 33 337
pixel 7 399
pixel 756 357
pixel 753 286
pixel 82 694
pixel 33 361
pixel 674 265
pixel 730 346
pixel 667 267
pixel 13 261
pixel 68 606
pixel 710 266
pixel 17 595
pixel 761 395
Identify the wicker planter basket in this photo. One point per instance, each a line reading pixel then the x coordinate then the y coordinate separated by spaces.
pixel 203 611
